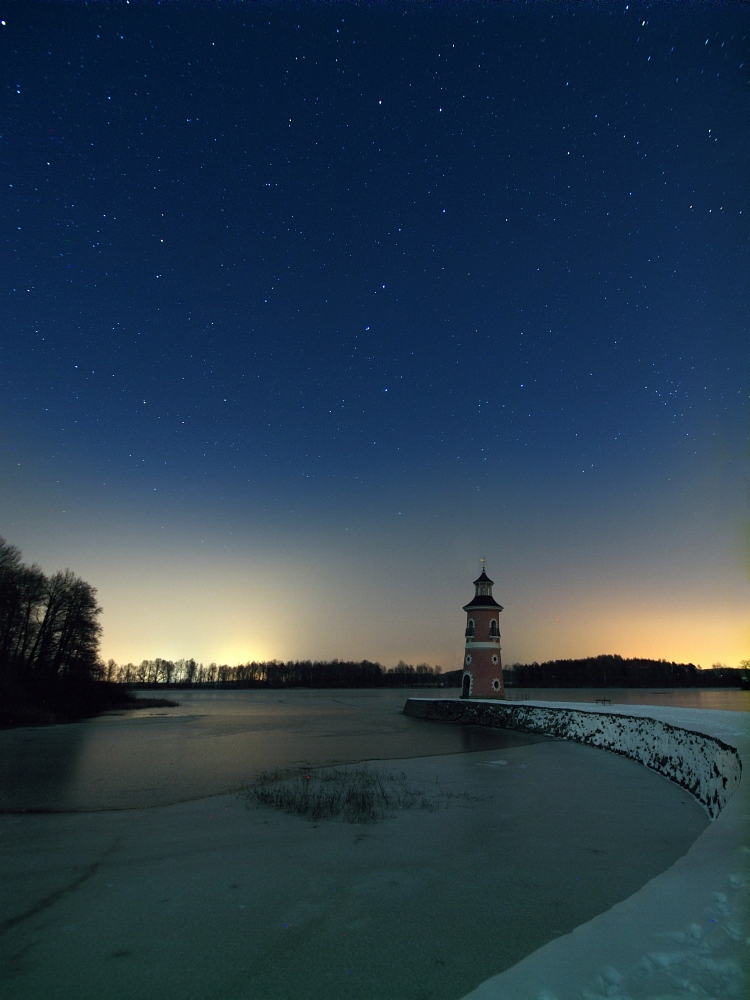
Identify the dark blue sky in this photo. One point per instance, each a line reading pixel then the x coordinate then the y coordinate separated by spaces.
pixel 353 294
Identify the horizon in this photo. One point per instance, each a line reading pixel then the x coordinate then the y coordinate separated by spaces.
pixel 436 668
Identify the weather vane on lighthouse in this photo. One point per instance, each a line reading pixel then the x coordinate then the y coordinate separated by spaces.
pixel 483 668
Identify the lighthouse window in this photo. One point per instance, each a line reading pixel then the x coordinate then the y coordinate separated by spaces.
pixel 496 684
pixel 494 633
pixel 494 657
pixel 468 659
pixel 470 629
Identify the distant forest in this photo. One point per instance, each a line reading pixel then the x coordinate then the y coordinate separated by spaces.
pixel 273 674
pixel 595 671
pixel 614 671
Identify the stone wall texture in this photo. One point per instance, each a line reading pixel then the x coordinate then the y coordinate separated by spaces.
pixel 706 767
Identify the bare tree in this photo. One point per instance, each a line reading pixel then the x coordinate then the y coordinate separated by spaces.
pixel 49 627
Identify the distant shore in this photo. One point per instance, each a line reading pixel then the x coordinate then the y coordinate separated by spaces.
pixel 606 670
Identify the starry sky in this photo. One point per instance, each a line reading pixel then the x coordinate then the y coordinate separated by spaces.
pixel 306 307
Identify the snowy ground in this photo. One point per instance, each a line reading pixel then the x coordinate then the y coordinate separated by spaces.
pixel 684 934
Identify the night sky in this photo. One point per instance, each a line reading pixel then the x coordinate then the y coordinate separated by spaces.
pixel 305 308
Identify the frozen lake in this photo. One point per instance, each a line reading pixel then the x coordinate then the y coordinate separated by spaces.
pixel 128 872
pixel 215 741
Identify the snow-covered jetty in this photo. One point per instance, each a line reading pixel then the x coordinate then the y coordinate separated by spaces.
pixel 708 768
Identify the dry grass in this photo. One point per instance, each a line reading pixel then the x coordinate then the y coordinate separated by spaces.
pixel 357 794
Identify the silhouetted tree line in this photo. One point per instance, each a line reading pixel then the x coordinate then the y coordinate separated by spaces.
pixel 272 674
pixel 49 637
pixel 49 625
pixel 615 671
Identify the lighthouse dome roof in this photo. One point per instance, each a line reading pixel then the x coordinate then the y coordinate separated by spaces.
pixel 483 594
pixel 482 601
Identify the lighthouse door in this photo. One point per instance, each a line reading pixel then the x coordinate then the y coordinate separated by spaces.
pixel 465 686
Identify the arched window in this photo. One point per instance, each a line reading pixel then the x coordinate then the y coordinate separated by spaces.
pixel 470 629
pixel 494 631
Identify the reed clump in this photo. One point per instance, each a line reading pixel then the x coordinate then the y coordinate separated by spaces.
pixel 357 794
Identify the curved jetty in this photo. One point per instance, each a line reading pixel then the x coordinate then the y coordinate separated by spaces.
pixel 707 767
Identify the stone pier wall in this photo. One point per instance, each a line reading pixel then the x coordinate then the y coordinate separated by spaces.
pixel 706 767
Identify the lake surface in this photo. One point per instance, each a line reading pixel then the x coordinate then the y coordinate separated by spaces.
pixel 200 896
pixel 217 741
pixel 209 899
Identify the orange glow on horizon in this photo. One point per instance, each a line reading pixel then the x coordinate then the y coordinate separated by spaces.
pixel 244 620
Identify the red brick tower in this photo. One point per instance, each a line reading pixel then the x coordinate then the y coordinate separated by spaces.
pixel 483 668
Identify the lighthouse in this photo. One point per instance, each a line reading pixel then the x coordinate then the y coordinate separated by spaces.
pixel 483 668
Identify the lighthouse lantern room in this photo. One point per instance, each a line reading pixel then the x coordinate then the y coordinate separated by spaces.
pixel 483 668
